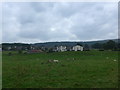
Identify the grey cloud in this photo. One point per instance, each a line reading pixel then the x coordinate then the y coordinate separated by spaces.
pixel 59 21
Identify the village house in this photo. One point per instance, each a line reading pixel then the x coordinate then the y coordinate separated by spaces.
pixel 32 48
pixel 9 48
pixel 61 48
pixel 77 48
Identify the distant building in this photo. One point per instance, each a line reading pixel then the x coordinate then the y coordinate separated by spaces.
pixel 61 48
pixel 32 48
pixel 15 47
pixel 9 48
pixel 77 48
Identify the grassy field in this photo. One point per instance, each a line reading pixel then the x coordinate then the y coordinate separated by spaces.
pixel 0 70
pixel 90 69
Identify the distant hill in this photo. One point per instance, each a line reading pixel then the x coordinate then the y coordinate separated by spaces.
pixel 64 43
pixel 68 43
pixel 24 46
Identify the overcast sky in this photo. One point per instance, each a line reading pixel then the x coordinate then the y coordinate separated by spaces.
pixel 61 21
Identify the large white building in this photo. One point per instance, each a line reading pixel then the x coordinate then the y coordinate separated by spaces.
pixel 77 48
pixel 61 48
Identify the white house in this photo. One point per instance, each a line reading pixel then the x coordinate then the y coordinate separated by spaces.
pixel 9 48
pixel 61 48
pixel 77 48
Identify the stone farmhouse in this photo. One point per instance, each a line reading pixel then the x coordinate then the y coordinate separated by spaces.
pixel 72 48
pixel 61 48
pixel 77 48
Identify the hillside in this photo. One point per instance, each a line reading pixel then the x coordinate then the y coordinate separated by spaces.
pixel 68 43
pixel 53 44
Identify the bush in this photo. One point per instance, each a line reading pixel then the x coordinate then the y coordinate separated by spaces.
pixel 20 51
pixel 25 53
pixel 87 50
pixel 101 50
pixel 9 53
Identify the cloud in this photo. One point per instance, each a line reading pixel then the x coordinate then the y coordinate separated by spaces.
pixel 0 23
pixel 40 22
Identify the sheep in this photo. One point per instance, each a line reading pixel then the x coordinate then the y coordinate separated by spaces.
pixel 55 61
pixel 50 61
pixel 74 59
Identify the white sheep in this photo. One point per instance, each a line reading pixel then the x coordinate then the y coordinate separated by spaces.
pixel 49 60
pixel 56 61
pixel 114 60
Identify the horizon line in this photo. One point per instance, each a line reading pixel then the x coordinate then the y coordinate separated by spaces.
pixel 58 41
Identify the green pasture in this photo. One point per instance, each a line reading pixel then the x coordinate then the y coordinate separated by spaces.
pixel 86 69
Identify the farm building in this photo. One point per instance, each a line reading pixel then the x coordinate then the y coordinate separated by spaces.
pixel 9 48
pixel 61 48
pixel 77 48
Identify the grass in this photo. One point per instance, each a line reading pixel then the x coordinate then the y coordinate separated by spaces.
pixel 90 69
pixel 0 70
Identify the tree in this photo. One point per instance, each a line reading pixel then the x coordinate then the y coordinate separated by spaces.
pixel 110 45
pixel 20 51
pixel 118 46
pixel 86 47
pixel 50 50
pixel 79 44
pixel 9 53
pixel 97 46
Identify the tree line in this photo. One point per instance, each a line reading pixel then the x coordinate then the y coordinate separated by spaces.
pixel 109 45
